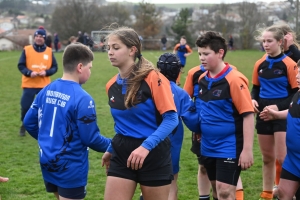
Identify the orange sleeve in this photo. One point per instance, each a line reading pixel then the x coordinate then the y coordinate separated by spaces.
pixel 161 92
pixel 239 92
pixel 255 80
pixel 189 84
pixel 176 47
pixel 110 82
pixel 202 75
pixel 292 71
pixel 232 66
pixel 188 48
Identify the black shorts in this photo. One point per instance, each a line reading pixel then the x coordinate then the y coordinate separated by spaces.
pixel 69 193
pixel 225 170
pixel 289 176
pixel 269 127
pixel 157 167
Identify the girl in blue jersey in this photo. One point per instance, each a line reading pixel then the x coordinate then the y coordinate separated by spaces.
pixel 274 84
pixel 144 112
pixel 64 121
pixel 290 174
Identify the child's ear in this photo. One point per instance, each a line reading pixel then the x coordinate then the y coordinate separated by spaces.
pixel 133 50
pixel 221 53
pixel 79 67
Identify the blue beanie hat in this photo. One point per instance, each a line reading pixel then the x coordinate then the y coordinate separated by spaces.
pixel 41 31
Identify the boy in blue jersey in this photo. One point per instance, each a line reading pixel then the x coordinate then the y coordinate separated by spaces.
pixel 290 176
pixel 182 50
pixel 63 119
pixel 227 119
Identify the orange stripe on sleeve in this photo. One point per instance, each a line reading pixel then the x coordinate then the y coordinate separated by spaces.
pixel 189 84
pixel 188 48
pixel 255 80
pixel 292 71
pixel 239 92
pixel 176 47
pixel 161 92
pixel 110 82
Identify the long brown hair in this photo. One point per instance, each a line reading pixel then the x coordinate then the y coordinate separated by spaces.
pixel 141 68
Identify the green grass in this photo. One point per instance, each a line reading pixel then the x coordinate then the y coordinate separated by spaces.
pixel 19 155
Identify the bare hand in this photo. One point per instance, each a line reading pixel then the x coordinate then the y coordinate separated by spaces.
pixel 106 160
pixel 34 74
pixel 3 179
pixel 136 159
pixel 255 106
pixel 42 73
pixel 273 107
pixel 246 159
pixel 268 114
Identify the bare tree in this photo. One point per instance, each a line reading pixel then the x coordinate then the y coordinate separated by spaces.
pixel 71 16
pixel 148 20
pixel 250 16
pixel 114 13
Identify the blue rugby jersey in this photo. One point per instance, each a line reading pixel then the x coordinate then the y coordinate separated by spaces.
pixel 276 76
pixel 223 101
pixel 63 119
pixel 141 120
pixel 187 113
pixel 291 163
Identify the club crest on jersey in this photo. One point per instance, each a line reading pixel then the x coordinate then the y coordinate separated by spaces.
pixel 200 91
pixel 91 105
pixel 217 93
pixel 277 71
pixel 112 99
pixel 260 71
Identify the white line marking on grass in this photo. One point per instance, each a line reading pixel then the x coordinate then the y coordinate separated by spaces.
pixel 8 58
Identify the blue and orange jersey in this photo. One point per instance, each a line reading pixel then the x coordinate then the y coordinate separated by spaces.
pixel 191 85
pixel 141 120
pixel 276 76
pixel 181 50
pixel 293 136
pixel 223 101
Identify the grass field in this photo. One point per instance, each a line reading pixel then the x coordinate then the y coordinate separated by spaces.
pixel 19 155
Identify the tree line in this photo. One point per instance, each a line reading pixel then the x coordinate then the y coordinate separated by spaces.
pixel 70 16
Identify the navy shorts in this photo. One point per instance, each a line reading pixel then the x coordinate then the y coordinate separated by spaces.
pixel 224 170
pixel 156 169
pixel 70 193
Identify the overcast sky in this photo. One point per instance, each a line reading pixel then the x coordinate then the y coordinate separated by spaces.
pixel 192 1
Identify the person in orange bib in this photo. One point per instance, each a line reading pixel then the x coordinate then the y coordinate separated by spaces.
pixel 37 63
